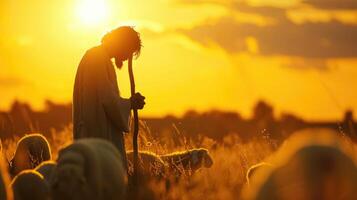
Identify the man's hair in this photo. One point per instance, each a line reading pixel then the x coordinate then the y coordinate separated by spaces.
pixel 125 37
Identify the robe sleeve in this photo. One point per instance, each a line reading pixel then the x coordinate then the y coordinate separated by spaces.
pixel 117 108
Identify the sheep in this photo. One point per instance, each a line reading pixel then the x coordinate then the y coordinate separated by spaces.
pixel 31 150
pixel 188 161
pixel 149 162
pixel 257 167
pixel 90 169
pixel 5 189
pixel 46 169
pixel 29 184
pixel 320 169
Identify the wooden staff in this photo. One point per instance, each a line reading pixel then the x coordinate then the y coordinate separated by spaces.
pixel 136 121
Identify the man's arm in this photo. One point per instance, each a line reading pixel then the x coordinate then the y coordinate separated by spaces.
pixel 118 110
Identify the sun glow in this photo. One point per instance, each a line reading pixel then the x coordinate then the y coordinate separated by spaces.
pixel 92 12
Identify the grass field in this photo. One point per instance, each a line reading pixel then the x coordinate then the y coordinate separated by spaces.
pixel 224 180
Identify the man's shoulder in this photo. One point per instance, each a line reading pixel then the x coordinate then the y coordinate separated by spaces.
pixel 94 59
pixel 95 55
pixel 94 51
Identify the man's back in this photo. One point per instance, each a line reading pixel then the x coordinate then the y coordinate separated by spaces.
pixel 96 98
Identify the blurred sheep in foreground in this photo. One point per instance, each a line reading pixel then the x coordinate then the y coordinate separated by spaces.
pixel 308 167
pixel 188 162
pixel 30 184
pixel 46 169
pixel 255 168
pixel 90 169
pixel 149 163
pixel 5 189
pixel 31 150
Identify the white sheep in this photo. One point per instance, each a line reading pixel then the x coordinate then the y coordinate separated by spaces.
pixel 90 169
pixel 188 161
pixel 46 169
pixel 150 164
pixel 29 184
pixel 5 189
pixel 31 150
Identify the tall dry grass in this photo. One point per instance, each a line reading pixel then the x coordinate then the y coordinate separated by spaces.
pixel 224 180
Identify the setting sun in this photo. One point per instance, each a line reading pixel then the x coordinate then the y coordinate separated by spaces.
pixel 92 12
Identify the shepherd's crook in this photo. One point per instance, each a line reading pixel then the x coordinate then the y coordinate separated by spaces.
pixel 136 121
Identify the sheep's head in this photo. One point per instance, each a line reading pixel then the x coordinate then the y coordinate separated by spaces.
pixel 31 150
pixel 201 157
pixel 68 180
pixel 208 161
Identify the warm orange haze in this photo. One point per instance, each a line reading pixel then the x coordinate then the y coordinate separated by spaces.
pixel 197 54
pixel 232 99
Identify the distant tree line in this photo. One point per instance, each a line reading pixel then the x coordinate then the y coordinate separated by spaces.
pixel 21 119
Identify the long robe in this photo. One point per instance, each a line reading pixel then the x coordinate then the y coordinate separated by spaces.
pixel 98 109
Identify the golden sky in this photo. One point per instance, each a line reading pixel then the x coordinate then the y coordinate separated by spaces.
pixel 298 55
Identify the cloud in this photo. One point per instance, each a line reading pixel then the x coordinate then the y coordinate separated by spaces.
pixel 331 39
pixel 314 40
pixel 333 4
pixel 308 45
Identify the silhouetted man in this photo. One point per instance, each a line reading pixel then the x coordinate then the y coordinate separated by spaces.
pixel 98 109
